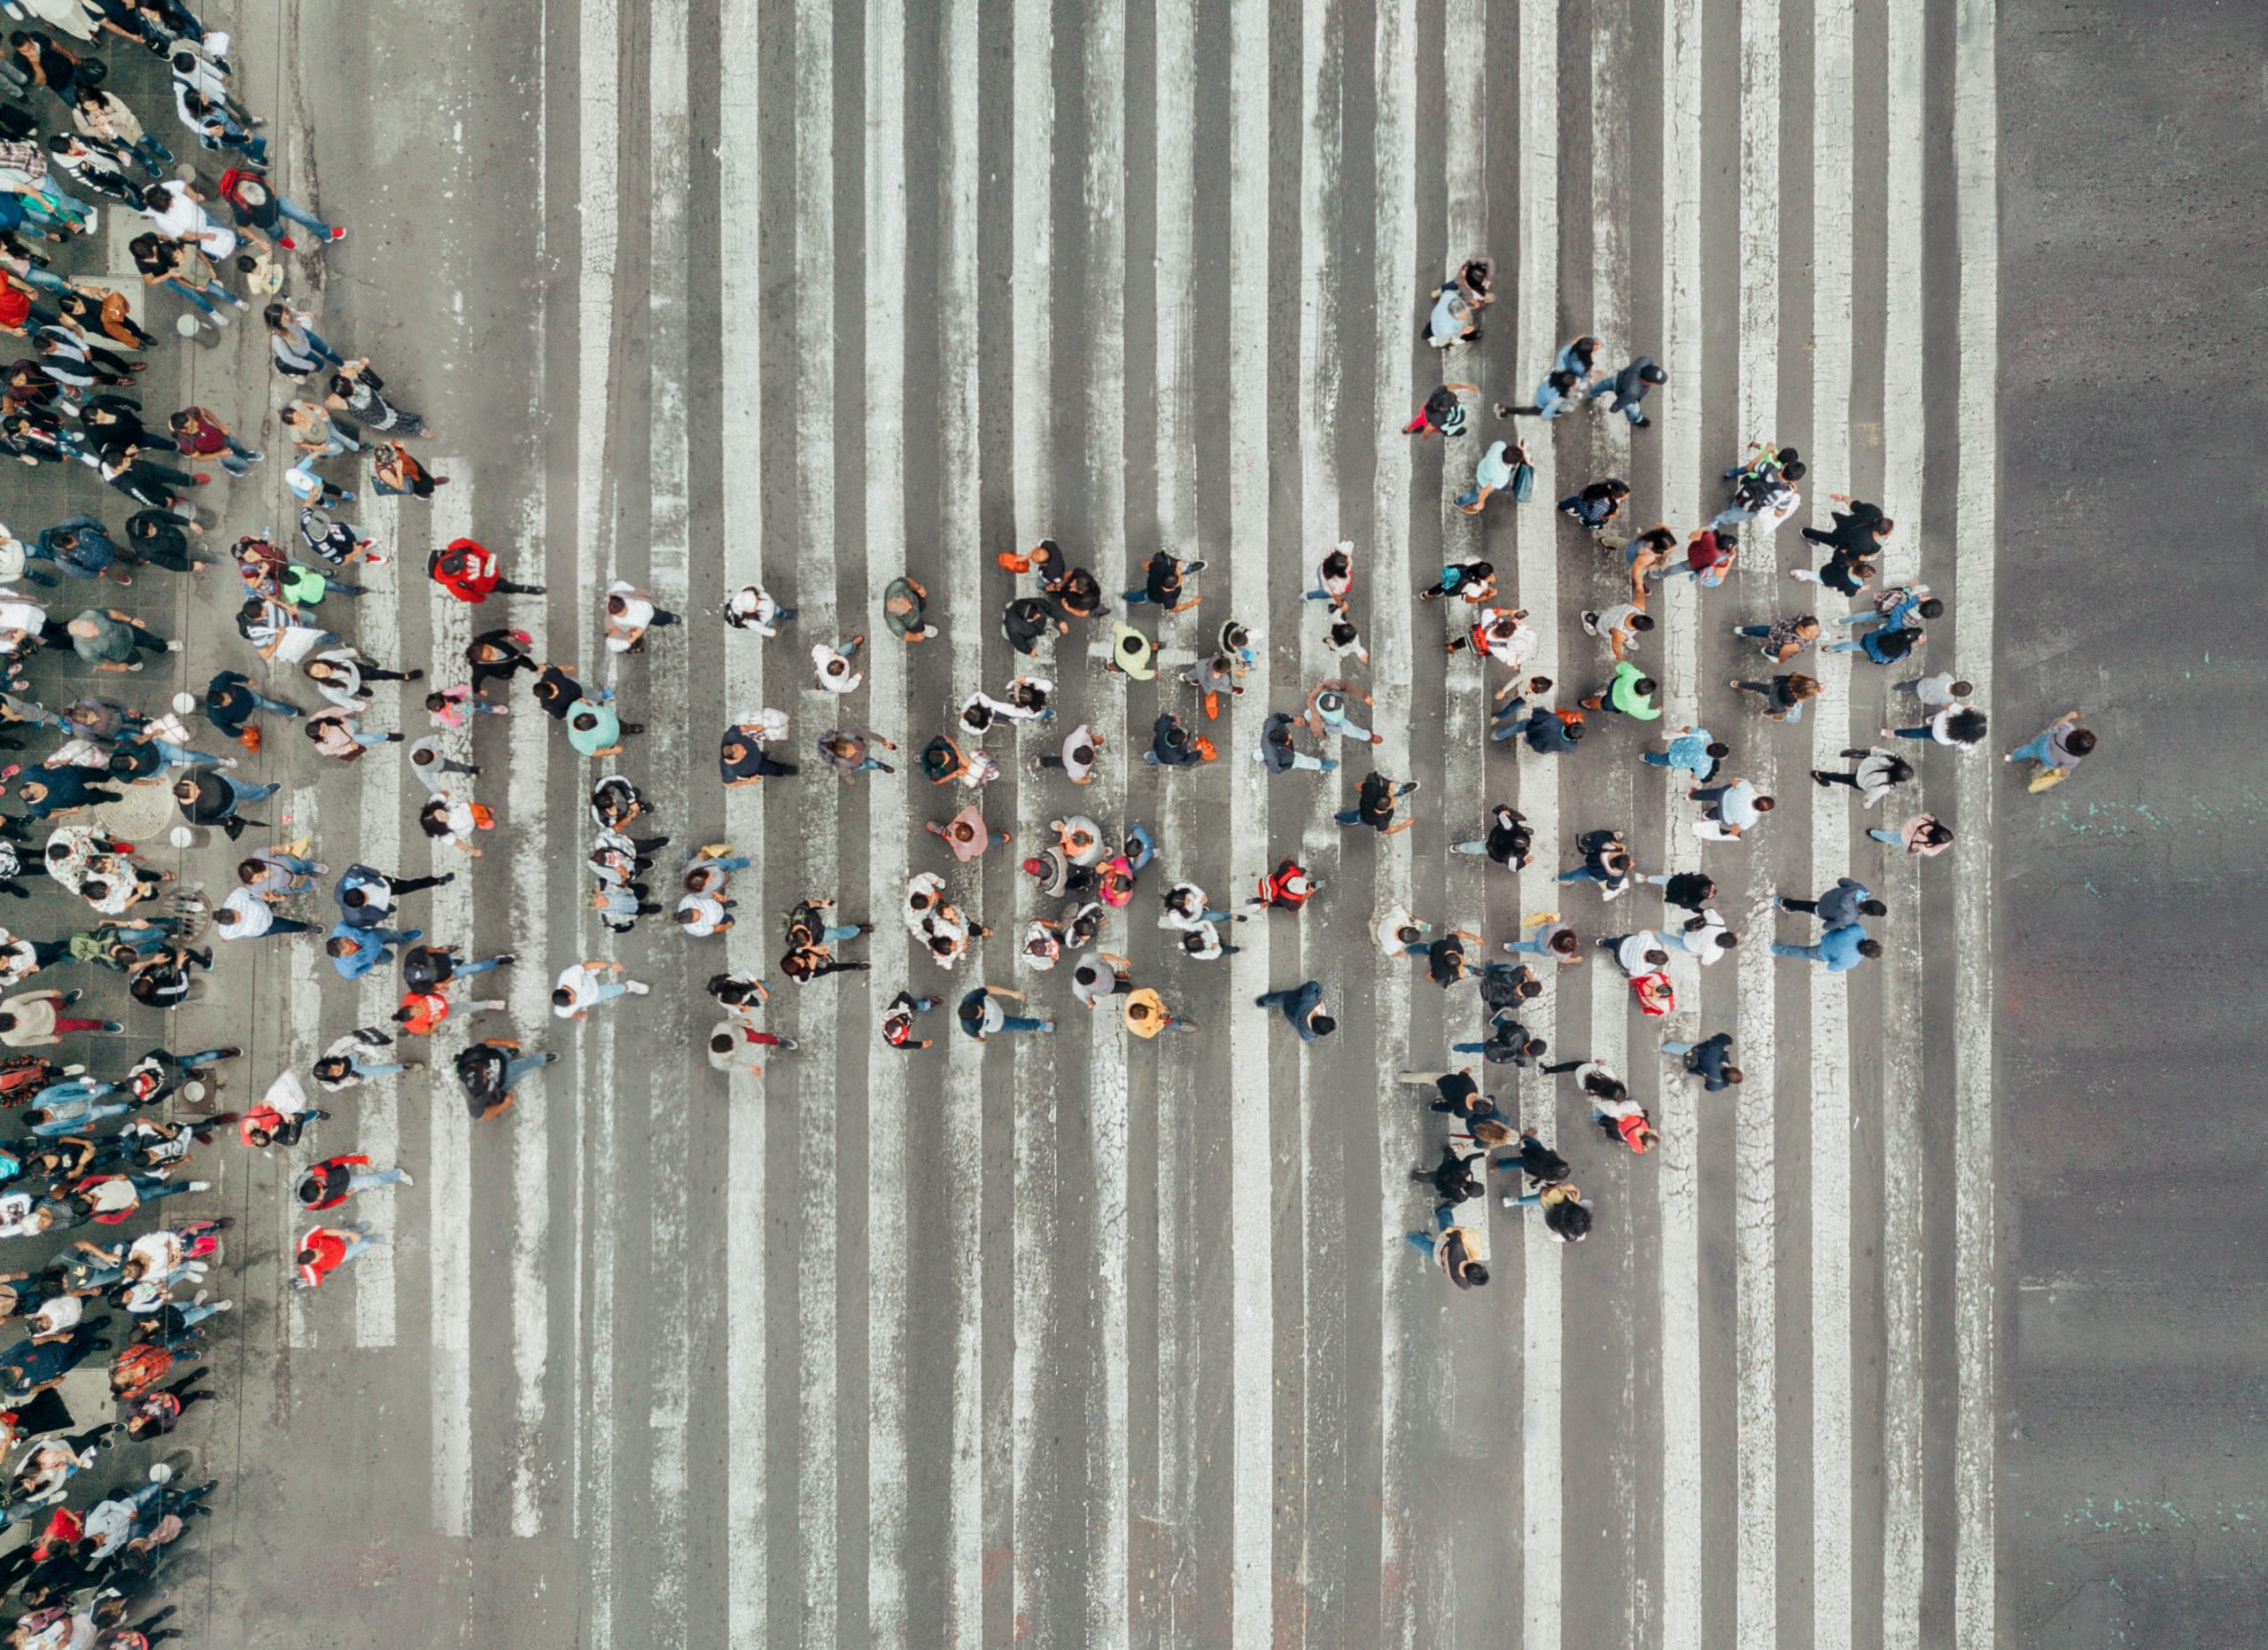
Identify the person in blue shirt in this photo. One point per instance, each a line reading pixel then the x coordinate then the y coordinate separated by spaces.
pixel 355 951
pixel 1693 749
pixel 1302 1006
pixel 1841 949
pixel 1840 905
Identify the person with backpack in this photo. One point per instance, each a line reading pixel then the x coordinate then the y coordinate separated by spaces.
pixel 330 1183
pixel 1710 1059
pixel 1566 1217
pixel 1454 1250
pixel 469 571
pixel 1509 840
pixel 1452 1179
pixel 260 211
pixel 490 1072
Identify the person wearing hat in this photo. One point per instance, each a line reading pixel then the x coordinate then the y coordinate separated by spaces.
pixel 1327 711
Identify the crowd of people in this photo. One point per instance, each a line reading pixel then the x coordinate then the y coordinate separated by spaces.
pixel 98 1141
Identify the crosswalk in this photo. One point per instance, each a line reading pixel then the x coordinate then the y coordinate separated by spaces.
pixel 1088 1340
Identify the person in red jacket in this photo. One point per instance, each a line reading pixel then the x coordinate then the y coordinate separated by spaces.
pixel 325 1249
pixel 467 570
pixel 1288 887
pixel 331 1182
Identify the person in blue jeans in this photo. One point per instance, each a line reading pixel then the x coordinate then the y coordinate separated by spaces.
pixel 1302 1006
pixel 354 950
pixel 1841 949
pixel 980 1014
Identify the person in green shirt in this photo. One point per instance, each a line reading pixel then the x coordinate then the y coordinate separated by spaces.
pixel 1629 694
pixel 594 729
pixel 306 587
pixel 108 639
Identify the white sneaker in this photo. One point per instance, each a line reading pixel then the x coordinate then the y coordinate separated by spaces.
pixel 200 1186
pixel 405 1179
pixel 224 1306
pixel 174 646
pixel 636 988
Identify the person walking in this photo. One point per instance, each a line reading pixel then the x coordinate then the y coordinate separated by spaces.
pixel 1631 694
pixel 490 1072
pixel 1841 949
pixel 583 986
pixel 1733 809
pixel 1924 835
pixel 1374 805
pixel 1509 842
pixel 1783 639
pixel 1630 386
pixel 1784 695
pixel 1876 773
pixel 1441 412
pixel 1302 1006
pixel 898 1021
pixel 1692 749
pixel 1710 1059
pixel 330 1183
pixel 325 1249
pixel 1554 940
pixel 1453 1251
pixel 1845 903
pixel 980 1014
pixel 2058 751
pixel 1162 583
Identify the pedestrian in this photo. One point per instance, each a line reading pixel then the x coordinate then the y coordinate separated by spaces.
pixel 1877 771
pixel 1692 749
pixel 1566 1217
pixel 845 749
pixel 1302 1006
pixel 1172 745
pixel 498 653
pixel 262 214
pixel 470 571
pixel 741 758
pixel 1327 710
pixel 1453 319
pixel 1441 411
pixel 1452 1177
pixel 199 433
pixel 1636 953
pixel 342 1066
pixel 1538 1163
pixel 981 1015
pixel 1374 805
pixel 898 1021
pixel 1710 1059
pixel 1884 643
pixel 1552 938
pixel 1276 752
pixel 325 1249
pixel 1144 1013
pixel 2058 751
pixel 1607 861
pixel 1705 936
pixel 1335 575
pixel 330 1183
pixel 1473 582
pixel 1454 1250
pixel 751 608
pixel 358 392
pixel 1162 584
pixel 1784 695
pixel 1924 835
pixel 1845 903
pixel 395 472
pixel 1861 530
pixel 1630 386
pixel 1503 468
pixel 1596 505
pixel 1509 840
pixel 968 835
pixel 1733 808
pixel 490 1072
pixel 583 986
pixel 832 668
pixel 1629 693
pixel 1077 761
pixel 1784 638
pixel 1709 557
pixel 1841 949
pixel 109 640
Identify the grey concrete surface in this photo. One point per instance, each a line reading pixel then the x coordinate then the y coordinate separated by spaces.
pixel 956 1347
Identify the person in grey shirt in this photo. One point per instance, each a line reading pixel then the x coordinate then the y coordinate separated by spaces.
pixel 1845 903
pixel 1629 387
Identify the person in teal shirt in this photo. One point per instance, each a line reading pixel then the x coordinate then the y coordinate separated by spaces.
pixel 1629 694
pixel 594 729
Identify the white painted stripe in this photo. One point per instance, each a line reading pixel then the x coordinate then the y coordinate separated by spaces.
pixel 957 329
pixel 1173 274
pixel 597 1200
pixel 747 1547
pixel 1678 419
pixel 1977 179
pixel 1109 1623
pixel 1395 275
pixel 532 879
pixel 377 1120
pixel 887 1374
pixel 597 80
pixel 1320 1235
pixel 1757 1444
pixel 302 956
pixel 816 274
pixel 1902 488
pixel 451 1137
pixel 1252 1242
pixel 1031 468
pixel 658 694
pixel 1540 1459
pixel 1832 1465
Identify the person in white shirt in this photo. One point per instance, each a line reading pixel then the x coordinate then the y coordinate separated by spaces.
pixel 1637 953
pixel 630 614
pixel 833 670
pixel 176 211
pixel 1707 937
pixel 583 986
pixel 1876 773
pixel 751 608
pixel 244 915
pixel 1396 929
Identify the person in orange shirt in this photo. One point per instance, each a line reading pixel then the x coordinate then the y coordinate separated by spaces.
pixel 325 1249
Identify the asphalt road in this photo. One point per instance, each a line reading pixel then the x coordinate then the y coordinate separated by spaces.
pixel 1091 1340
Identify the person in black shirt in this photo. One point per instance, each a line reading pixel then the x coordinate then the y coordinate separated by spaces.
pixel 1709 1059
pixel 498 653
pixel 1452 1177
pixel 741 758
pixel 1162 585
pixel 230 701
pixel 1374 805
pixel 1509 839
